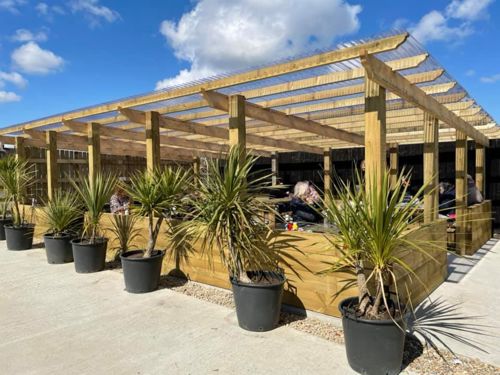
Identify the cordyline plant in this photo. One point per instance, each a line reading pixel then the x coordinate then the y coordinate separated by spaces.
pixel 158 193
pixel 62 212
pixel 16 176
pixel 125 230
pixel 225 217
pixel 374 225
pixel 94 195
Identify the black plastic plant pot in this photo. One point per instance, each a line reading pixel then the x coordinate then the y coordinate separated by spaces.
pixel 142 275
pixel 2 229
pixel 89 257
pixel 58 248
pixel 258 304
pixel 19 238
pixel 373 347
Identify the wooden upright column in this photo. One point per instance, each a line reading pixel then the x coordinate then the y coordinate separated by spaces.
pixel 375 132
pixel 461 189
pixel 237 127
pixel 274 168
pixel 51 158
pixel 327 171
pixel 20 150
pixel 152 140
pixel 393 163
pixel 431 167
pixel 480 168
pixel 94 149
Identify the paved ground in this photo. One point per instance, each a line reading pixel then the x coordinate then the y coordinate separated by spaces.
pixel 54 321
pixel 473 285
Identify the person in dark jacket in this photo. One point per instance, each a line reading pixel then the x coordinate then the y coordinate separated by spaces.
pixel 302 204
pixel 446 198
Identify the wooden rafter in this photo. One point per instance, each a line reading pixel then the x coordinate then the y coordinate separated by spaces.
pixel 382 74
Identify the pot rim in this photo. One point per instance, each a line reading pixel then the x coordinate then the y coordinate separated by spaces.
pixel 125 256
pixel 78 241
pixel 281 275
pixel 345 315
pixel 23 226
pixel 61 237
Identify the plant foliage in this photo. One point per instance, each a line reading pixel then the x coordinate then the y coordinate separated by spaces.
pixel 123 227
pixel 94 195
pixel 62 212
pixel 375 223
pixel 16 176
pixel 158 193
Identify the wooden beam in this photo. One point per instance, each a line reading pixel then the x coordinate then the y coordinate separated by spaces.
pixel 94 150
pixel 431 168
pixel 275 169
pixel 327 171
pixel 173 123
pixel 52 168
pixel 393 164
pixel 152 140
pixel 375 133
pixel 461 190
pixel 480 168
pixel 237 128
pixel 20 148
pixel 379 72
pixel 220 101
pixel 326 58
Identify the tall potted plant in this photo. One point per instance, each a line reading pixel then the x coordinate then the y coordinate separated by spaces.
pixel 157 193
pixel 61 214
pixel 89 251
pixel 374 226
pixel 16 176
pixel 225 218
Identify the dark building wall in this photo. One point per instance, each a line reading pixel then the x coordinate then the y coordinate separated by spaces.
pixel 299 166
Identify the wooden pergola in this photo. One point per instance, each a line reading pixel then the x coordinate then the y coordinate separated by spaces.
pixel 370 93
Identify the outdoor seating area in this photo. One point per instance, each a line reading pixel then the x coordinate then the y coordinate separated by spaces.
pixel 175 171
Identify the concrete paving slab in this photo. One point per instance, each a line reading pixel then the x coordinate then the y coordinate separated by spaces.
pixel 54 321
pixel 473 285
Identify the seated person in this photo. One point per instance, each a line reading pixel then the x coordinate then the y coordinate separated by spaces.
pixel 119 203
pixel 446 198
pixel 303 199
pixel 474 196
pixel 408 195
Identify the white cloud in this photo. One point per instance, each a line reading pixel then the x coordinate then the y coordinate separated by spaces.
pixel 24 35
pixel 453 24
pixel 7 96
pixel 48 11
pixel 11 5
pixel 30 58
pixel 470 73
pixel 224 35
pixel 491 79
pixel 14 78
pixel 470 10
pixel 94 11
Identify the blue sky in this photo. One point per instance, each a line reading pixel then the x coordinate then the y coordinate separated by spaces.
pixel 61 55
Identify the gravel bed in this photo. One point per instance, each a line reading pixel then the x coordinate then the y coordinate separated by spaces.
pixel 417 359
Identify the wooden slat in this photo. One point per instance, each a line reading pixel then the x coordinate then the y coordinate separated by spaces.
pixel 220 101
pixel 461 190
pixel 431 167
pixel 393 164
pixel 51 159
pixel 94 150
pixel 378 71
pixel 152 140
pixel 480 168
pixel 375 132
pixel 20 150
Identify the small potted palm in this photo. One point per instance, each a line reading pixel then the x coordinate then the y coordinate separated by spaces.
pixel 61 214
pixel 157 194
pixel 16 176
pixel 89 251
pixel 225 219
pixel 375 226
